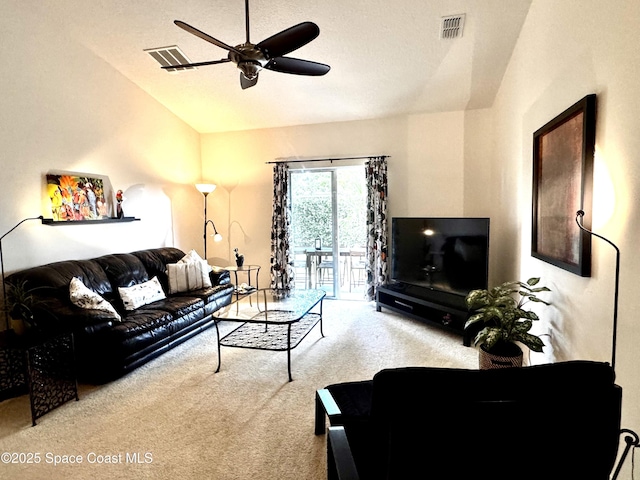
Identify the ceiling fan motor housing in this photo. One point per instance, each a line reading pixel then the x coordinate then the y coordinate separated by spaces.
pixel 251 61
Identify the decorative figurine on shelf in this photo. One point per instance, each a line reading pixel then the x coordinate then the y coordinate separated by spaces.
pixel 119 199
pixel 239 258
pixel 91 199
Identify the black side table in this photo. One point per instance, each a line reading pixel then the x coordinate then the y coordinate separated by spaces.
pixel 44 366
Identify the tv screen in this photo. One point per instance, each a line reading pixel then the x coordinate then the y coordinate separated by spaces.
pixel 445 254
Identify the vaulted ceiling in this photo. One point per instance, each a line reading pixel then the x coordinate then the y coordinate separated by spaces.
pixel 387 58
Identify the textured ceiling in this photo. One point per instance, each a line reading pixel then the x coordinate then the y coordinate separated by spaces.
pixel 386 58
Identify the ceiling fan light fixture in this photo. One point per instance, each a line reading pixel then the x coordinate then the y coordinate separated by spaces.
pixel 249 69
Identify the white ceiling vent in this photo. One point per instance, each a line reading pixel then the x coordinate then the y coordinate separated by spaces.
pixel 170 56
pixel 452 26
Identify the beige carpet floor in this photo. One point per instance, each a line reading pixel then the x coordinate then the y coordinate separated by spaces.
pixel 174 418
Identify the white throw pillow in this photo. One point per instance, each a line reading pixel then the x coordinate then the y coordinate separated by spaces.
pixel 192 256
pixel 184 277
pixel 141 294
pixel 83 297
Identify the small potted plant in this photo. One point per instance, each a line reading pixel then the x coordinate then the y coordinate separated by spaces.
pixel 239 258
pixel 506 322
pixel 26 308
pixel 19 306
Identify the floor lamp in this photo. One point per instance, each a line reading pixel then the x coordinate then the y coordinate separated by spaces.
pixel 579 215
pixel 631 438
pixel 205 189
pixel 4 290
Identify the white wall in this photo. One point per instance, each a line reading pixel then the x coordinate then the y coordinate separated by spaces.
pixel 425 170
pixel 433 174
pixel 567 50
pixel 64 109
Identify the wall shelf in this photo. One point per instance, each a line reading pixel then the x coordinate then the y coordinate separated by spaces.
pixel 52 222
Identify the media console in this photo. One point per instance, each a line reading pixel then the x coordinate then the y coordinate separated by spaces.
pixel 433 307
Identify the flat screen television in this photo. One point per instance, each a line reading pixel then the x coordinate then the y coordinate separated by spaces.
pixel 448 255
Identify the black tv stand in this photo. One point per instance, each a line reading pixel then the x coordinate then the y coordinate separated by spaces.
pixel 438 308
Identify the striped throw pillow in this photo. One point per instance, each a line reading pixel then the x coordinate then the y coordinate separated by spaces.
pixel 184 277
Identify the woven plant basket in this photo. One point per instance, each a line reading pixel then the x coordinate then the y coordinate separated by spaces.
pixel 502 359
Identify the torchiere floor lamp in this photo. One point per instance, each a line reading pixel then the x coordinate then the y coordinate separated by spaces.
pixel 206 189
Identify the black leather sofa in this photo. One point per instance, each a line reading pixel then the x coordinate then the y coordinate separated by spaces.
pixel 105 347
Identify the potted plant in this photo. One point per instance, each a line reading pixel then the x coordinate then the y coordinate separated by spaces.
pixel 20 306
pixel 501 310
pixel 239 258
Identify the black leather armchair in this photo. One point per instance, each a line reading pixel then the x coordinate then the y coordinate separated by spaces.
pixel 556 421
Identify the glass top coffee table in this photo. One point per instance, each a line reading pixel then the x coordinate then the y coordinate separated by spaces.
pixel 271 321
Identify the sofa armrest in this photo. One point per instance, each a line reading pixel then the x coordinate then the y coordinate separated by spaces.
pixel 346 403
pixel 325 405
pixel 340 462
pixel 219 276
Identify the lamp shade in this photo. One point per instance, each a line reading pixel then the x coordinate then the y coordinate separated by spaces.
pixel 205 188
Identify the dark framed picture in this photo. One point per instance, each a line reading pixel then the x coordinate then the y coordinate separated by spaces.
pixel 563 152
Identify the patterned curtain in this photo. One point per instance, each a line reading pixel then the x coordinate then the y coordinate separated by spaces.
pixel 377 234
pixel 281 271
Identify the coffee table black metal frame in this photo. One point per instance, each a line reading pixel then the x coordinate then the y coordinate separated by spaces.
pixel 272 321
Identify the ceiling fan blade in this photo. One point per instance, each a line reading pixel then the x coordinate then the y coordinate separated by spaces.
pixel 297 66
pixel 289 40
pixel 205 36
pixel 198 64
pixel 246 83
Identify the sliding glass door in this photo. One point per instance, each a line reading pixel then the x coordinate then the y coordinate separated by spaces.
pixel 328 225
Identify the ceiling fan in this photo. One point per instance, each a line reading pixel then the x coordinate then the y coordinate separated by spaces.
pixel 251 58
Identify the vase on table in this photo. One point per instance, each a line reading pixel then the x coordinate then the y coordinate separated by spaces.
pixel 239 258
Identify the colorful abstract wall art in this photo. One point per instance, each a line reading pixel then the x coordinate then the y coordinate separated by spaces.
pixel 75 197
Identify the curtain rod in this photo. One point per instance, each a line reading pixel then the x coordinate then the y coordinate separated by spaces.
pixel 327 159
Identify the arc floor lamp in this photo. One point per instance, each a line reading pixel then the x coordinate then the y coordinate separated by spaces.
pixel 4 290
pixel 580 215
pixel 205 189
pixel 630 437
